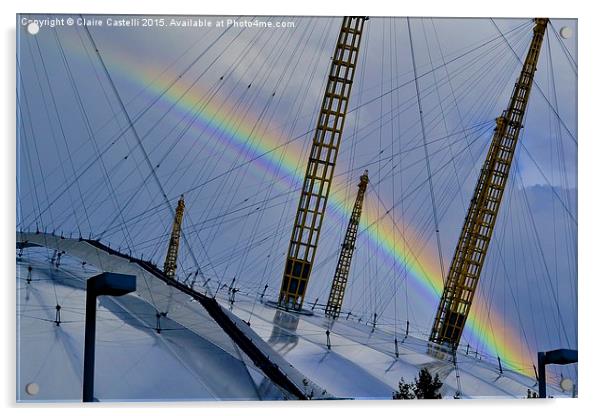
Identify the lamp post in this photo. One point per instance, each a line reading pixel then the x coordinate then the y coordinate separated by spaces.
pixel 105 284
pixel 561 356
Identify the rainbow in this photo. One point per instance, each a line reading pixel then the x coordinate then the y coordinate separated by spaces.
pixel 245 137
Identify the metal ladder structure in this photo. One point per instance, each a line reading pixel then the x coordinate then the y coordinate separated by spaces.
pixel 469 256
pixel 320 167
pixel 170 265
pixel 341 274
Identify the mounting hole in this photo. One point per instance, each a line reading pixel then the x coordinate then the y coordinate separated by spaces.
pixel 33 28
pixel 566 384
pixel 32 389
pixel 566 32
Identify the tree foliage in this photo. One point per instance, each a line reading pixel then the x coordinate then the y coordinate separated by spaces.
pixel 424 387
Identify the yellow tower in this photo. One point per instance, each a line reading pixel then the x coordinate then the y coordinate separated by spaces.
pixel 320 167
pixel 170 266
pixel 469 257
pixel 341 274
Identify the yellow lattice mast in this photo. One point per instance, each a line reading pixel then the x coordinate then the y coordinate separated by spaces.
pixel 171 258
pixel 341 274
pixel 469 257
pixel 320 167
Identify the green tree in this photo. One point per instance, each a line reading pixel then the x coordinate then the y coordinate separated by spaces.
pixel 427 387
pixel 423 387
pixel 405 392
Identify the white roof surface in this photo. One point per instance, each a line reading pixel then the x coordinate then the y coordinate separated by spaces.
pixel 362 363
pixel 192 358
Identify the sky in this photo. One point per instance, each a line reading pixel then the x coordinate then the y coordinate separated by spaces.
pixel 225 116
